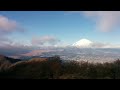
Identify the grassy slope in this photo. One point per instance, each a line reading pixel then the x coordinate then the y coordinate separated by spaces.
pixel 56 69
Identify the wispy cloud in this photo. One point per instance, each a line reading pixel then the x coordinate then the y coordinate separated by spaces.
pixel 7 45
pixel 105 20
pixel 44 40
pixel 8 25
pixel 104 45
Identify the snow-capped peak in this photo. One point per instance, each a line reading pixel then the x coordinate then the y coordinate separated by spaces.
pixel 83 43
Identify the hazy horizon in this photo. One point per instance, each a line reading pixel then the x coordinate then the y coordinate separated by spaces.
pixel 24 31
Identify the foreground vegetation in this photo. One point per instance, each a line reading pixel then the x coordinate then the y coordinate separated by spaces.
pixel 57 69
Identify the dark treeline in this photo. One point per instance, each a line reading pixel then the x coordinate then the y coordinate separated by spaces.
pixel 55 68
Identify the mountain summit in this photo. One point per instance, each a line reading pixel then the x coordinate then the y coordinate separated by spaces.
pixel 83 43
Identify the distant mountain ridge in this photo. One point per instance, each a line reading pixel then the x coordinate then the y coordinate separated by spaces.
pixel 11 60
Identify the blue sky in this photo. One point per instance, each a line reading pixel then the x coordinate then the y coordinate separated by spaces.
pixel 68 27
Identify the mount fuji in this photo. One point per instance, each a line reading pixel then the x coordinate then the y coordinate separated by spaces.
pixel 83 43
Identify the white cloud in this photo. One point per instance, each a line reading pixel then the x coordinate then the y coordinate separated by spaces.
pixel 104 45
pixel 15 49
pixel 5 40
pixel 44 40
pixel 8 25
pixel 7 45
pixel 105 20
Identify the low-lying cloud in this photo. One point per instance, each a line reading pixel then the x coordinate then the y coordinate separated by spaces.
pixel 5 40
pixel 45 41
pixel 18 49
pixel 104 45
pixel 15 49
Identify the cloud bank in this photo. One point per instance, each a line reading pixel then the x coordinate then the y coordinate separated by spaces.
pixel 5 40
pixel 45 41
pixel 10 48
pixel 105 45
pixel 8 26
pixel 105 21
pixel 16 49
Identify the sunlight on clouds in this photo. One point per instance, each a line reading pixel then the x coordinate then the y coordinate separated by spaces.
pixel 45 40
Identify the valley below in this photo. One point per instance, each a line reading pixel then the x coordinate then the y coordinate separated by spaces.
pixel 80 54
pixel 63 63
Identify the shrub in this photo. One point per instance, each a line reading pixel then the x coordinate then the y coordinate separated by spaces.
pixel 55 68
